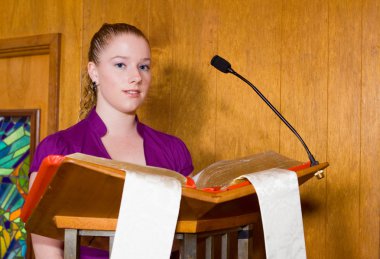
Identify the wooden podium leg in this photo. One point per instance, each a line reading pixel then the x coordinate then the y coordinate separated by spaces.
pixel 71 250
pixel 189 246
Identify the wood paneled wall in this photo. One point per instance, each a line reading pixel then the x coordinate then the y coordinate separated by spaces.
pixel 29 18
pixel 317 61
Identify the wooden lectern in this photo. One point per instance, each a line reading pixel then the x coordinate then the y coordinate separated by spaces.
pixel 77 198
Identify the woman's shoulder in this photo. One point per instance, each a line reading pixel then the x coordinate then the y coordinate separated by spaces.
pixel 62 142
pixel 67 136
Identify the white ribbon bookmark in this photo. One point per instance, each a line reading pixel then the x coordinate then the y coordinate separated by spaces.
pixel 147 217
pixel 280 206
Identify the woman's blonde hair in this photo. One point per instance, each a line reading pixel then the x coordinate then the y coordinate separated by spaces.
pixel 98 42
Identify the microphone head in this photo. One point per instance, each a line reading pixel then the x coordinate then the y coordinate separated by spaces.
pixel 221 64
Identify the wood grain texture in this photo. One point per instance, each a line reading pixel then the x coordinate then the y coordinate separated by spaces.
pixel 157 106
pixel 66 17
pixel 344 120
pixel 249 37
pixel 304 103
pixel 193 92
pixel 29 90
pixel 370 132
pixel 183 226
pixel 95 13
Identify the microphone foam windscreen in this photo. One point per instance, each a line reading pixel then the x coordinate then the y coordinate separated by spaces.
pixel 221 64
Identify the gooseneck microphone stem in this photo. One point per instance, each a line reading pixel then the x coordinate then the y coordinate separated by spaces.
pixel 311 157
pixel 225 67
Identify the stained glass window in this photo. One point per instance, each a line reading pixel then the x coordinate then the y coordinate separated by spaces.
pixel 15 153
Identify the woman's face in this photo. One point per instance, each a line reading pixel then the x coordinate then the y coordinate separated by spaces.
pixel 122 74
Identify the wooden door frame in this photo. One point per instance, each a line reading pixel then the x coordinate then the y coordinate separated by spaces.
pixel 45 44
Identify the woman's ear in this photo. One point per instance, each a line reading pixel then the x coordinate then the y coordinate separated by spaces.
pixel 92 72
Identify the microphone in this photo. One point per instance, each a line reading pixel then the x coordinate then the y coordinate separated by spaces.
pixel 224 66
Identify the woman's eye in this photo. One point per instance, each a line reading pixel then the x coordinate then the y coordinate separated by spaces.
pixel 120 65
pixel 145 67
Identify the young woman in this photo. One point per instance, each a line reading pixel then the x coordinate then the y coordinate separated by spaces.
pixel 119 79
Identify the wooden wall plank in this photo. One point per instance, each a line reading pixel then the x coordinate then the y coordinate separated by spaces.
pixel 157 108
pixel 304 103
pixel 249 37
pixel 66 17
pixel 370 132
pixel 343 152
pixel 101 11
pixel 193 92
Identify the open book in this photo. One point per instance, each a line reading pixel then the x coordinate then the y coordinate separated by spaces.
pixel 218 175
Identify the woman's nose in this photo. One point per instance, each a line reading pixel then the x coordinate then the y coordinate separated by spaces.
pixel 134 76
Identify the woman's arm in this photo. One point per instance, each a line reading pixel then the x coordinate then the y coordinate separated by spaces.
pixel 45 247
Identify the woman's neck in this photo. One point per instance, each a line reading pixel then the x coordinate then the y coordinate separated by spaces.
pixel 118 123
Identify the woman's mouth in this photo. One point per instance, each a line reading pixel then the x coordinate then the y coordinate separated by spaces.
pixel 132 92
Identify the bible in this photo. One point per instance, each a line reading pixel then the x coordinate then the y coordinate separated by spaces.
pixel 219 175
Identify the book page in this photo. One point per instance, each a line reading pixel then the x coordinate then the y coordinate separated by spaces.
pixel 124 166
pixel 223 173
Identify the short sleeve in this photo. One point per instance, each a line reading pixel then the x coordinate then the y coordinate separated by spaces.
pixel 51 145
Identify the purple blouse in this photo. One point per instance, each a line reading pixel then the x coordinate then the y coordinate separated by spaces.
pixel 160 149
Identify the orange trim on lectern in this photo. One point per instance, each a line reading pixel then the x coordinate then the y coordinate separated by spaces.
pixel 49 167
